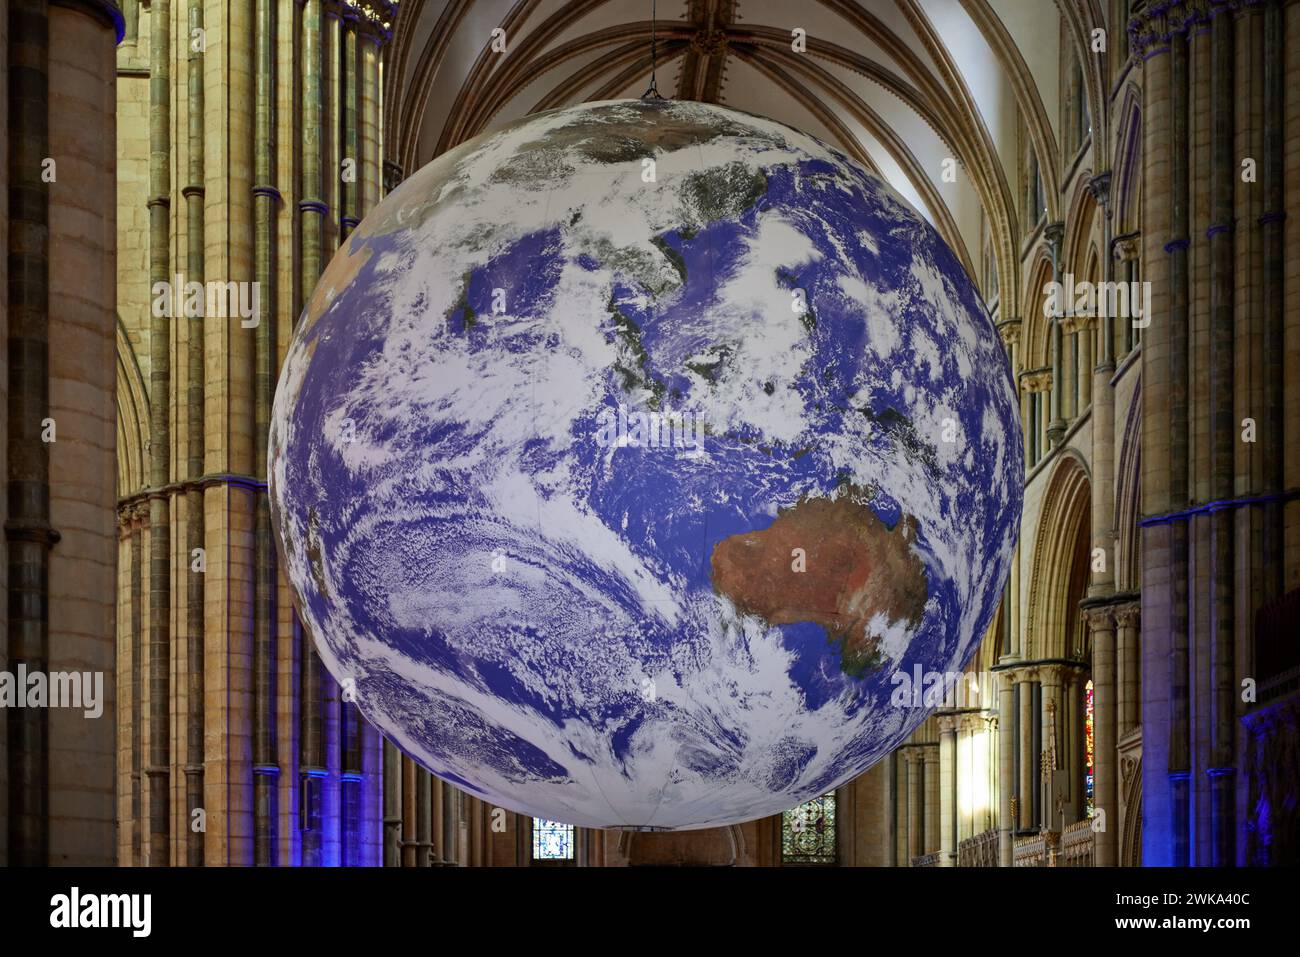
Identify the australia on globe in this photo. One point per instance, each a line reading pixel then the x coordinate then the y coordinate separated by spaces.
pixel 623 457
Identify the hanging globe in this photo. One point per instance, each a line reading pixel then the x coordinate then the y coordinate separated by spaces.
pixel 625 459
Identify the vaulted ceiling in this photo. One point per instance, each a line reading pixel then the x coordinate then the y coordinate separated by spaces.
pixel 902 85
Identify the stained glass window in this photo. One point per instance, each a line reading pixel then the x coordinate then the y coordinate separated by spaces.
pixel 552 841
pixel 1089 762
pixel 808 832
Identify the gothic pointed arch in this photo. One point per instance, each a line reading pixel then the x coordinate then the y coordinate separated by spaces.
pixel 1081 20
pixel 1128 480
pixel 1038 127
pixel 1060 547
pixel 132 417
pixel 1034 332
pixel 1080 222
pixel 1126 162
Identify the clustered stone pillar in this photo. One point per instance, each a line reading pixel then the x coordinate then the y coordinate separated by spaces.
pixel 221 647
pixel 27 525
pixel 1049 813
pixel 1222 438
pixel 1158 585
pixel 947 789
pixel 1006 772
pixel 1218 409
pixel 1101 623
pixel 392 805
pixel 313 762
pixel 1027 818
pixel 915 803
pixel 1127 617
pixel 967 785
pixel 195 575
pixel 1036 385
pixel 158 769
pixel 57 265
pixel 1054 233
pixel 930 754
pixel 898 768
pixel 267 203
pixel 1124 262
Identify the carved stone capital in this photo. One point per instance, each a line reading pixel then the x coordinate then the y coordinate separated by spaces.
pixel 1009 330
pixel 1099 617
pixel 1128 616
pixel 1126 250
pixel 1099 186
pixel 1036 380
pixel 1076 322
pixel 1155 26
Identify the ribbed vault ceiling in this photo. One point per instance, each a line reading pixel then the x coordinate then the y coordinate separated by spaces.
pixel 902 85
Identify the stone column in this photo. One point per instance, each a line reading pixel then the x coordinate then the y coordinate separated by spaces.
pixel 450 824
pixel 915 807
pixel 267 203
pixel 4 417
pixel 409 847
pixel 1223 441
pixel 439 850
pixel 1028 816
pixel 1101 622
pixel 1006 747
pixel 1175 419
pixel 898 769
pixel 139 533
pixel 312 755
pixel 1027 423
pixel 947 788
pixel 1054 233
pixel 932 800
pixel 1150 43
pixel 1126 634
pixel 195 704
pixel 1035 382
pixel 960 780
pixel 1071 401
pixel 1087 361
pixel 1272 220
pixel 1045 416
pixel 966 784
pixel 350 145
pixel 1126 253
pixel 57 283
pixel 1050 736
pixel 158 770
pixel 1072 744
pixel 1102 581
pixel 82 386
pixel 477 829
pixel 392 791
pixel 424 816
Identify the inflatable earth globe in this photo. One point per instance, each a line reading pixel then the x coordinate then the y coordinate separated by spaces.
pixel 625 457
